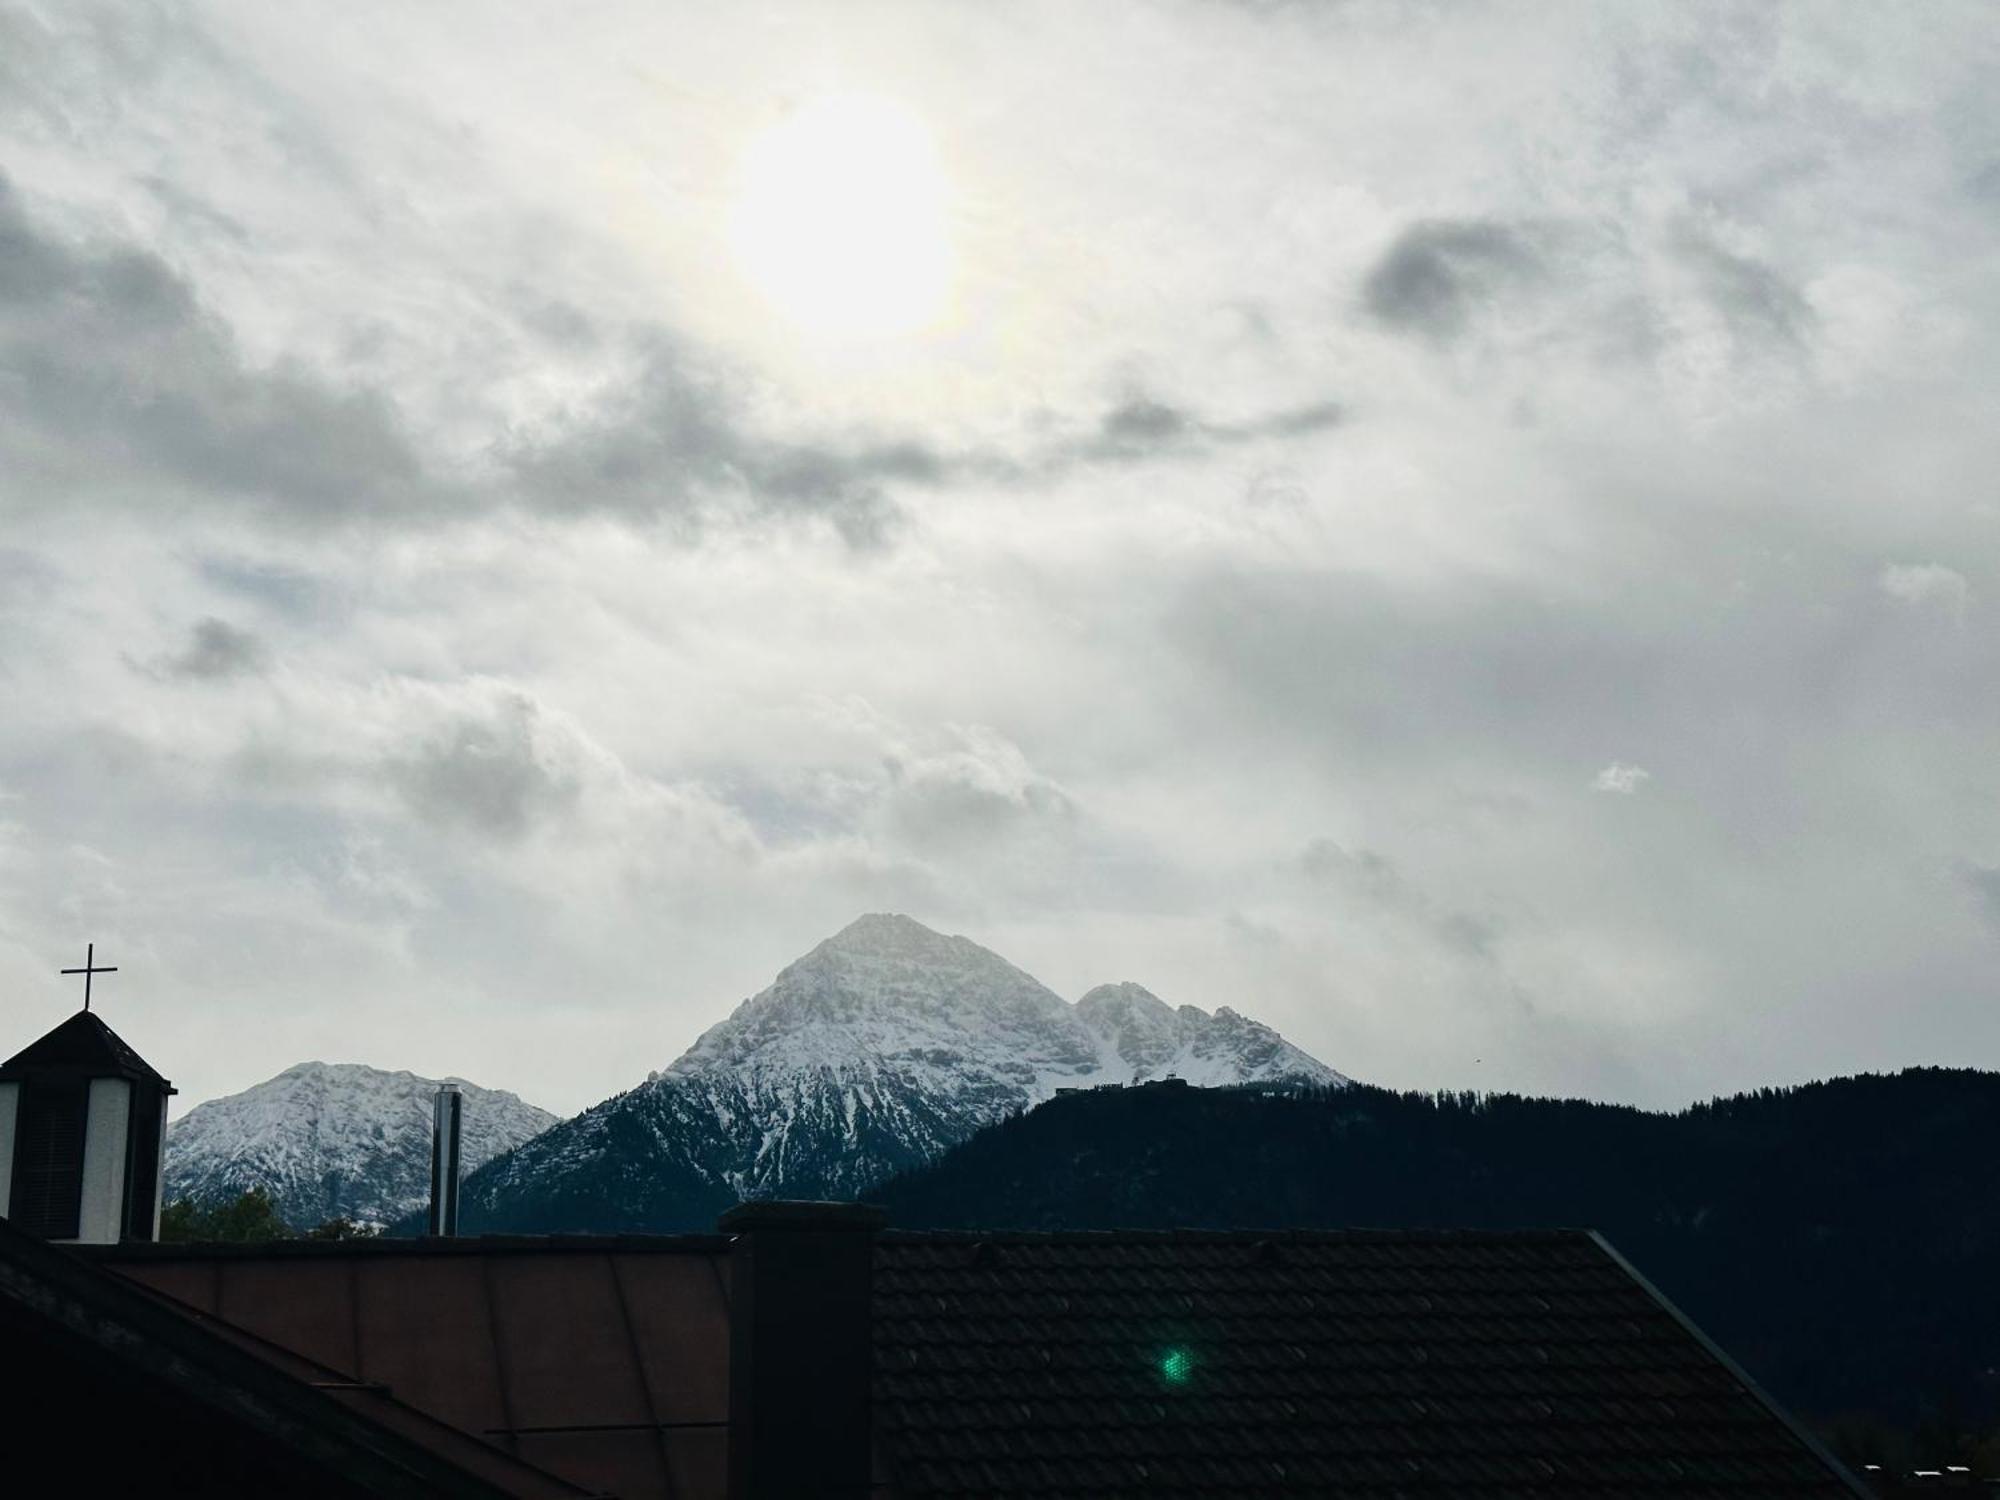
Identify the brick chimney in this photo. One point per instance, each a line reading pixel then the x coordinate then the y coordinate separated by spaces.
pixel 800 1352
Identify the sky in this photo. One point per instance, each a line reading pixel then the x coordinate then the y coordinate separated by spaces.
pixel 1465 532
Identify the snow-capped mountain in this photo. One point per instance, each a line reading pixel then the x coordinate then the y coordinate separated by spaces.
pixel 880 1049
pixel 333 1140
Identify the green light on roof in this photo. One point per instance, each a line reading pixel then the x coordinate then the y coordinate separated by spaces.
pixel 1177 1367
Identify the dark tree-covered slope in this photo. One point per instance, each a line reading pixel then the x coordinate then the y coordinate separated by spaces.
pixel 1841 1239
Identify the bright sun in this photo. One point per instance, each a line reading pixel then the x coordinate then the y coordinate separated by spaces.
pixel 840 219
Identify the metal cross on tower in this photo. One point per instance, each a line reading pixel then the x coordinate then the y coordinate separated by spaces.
pixel 89 968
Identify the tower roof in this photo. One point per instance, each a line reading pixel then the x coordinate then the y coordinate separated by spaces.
pixel 83 1044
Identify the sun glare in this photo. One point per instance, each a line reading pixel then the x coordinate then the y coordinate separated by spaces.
pixel 840 219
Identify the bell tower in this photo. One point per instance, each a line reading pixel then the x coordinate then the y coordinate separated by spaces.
pixel 82 1136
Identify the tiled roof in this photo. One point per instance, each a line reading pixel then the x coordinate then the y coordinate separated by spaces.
pixel 1363 1364
pixel 1355 1364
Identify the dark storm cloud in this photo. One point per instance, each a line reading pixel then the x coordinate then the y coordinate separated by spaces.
pixel 113 370
pixel 217 649
pixel 487 772
pixel 1439 274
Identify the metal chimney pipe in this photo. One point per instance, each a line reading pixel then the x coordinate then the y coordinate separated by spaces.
pixel 447 1116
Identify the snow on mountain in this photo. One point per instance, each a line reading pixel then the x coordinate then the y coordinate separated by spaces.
pixel 335 1139
pixel 887 993
pixel 881 1048
pixel 1144 1038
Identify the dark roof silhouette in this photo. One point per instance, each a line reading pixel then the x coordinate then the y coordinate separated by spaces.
pixel 1406 1363
pixel 1362 1363
pixel 83 1042
pixel 605 1360
pixel 180 1403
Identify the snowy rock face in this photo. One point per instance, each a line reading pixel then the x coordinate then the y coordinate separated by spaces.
pixel 1144 1038
pixel 879 1050
pixel 333 1140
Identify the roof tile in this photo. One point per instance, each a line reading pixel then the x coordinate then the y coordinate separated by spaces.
pixel 1365 1363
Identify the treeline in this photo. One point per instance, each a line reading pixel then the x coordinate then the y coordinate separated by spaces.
pixel 249 1218
pixel 1841 1239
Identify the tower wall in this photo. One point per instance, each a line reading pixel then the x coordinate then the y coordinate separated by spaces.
pixel 105 1145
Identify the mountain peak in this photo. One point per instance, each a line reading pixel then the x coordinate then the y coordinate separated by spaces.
pixel 875 926
pixel 334 1138
pixel 886 992
pixel 887 998
pixel 891 934
pixel 1121 999
pixel 881 1048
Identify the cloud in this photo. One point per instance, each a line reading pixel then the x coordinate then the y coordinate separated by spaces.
pixel 217 649
pixel 1144 422
pixel 969 789
pixel 1440 274
pixel 290 591
pixel 122 382
pixel 1927 585
pixel 1621 778
pixel 1984 883
pixel 1585 308
pixel 116 378
pixel 119 378
pixel 1368 877
pixel 119 382
pixel 1142 427
pixel 497 772
pixel 673 442
pixel 1755 299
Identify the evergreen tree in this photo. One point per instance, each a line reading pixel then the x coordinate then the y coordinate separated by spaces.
pixel 249 1219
